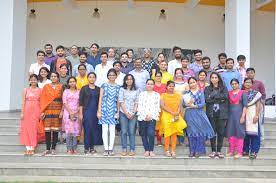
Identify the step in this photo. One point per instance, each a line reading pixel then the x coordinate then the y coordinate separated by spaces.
pixel 134 170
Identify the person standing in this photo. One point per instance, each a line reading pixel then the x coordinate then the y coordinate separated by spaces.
pixel 187 73
pixel 126 66
pixel 34 68
pixel 202 81
pixel 49 57
pixel 196 66
pixel 147 63
pixel 55 65
pixel 102 69
pixel 221 67
pixel 241 66
pixel 180 85
pixel 120 76
pixel 82 77
pixel 176 63
pixel 230 73
pixel 95 57
pixel 206 64
pixel 166 76
pixel 74 55
pixel 111 56
pixel 140 75
pixel 82 60
pixel 130 54
pixel 63 77
pixel 43 77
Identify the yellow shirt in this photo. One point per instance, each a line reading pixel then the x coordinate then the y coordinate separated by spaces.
pixel 165 77
pixel 81 82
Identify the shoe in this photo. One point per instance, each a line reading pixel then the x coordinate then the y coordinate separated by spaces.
pixel 159 144
pixel 173 154
pixel 124 153
pixel 146 154
pixel 192 155
pixel 168 154
pixel 131 153
pixel 111 153
pixel 220 155
pixel 86 152
pixel 69 152
pixel 75 152
pixel 212 155
pixel 245 154
pixel 53 152
pixel 45 153
pixel 197 155
pixel 93 151
pixel 31 152
pixel 105 153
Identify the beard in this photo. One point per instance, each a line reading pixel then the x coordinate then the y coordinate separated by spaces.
pixel 177 57
pixel 49 52
pixel 60 55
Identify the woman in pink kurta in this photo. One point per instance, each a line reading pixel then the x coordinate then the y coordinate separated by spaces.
pixel 30 115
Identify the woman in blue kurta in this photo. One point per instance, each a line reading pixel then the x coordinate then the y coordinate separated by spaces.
pixel 89 97
pixel 108 111
pixel 199 128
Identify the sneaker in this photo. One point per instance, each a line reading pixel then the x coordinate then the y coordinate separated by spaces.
pixel 220 155
pixel 245 154
pixel 253 156
pixel 111 153
pixel 192 155
pixel 212 155
pixel 53 152
pixel 197 155
pixel 131 153
pixel 105 153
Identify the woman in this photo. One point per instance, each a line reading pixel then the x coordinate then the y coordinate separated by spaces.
pixel 202 83
pixel 108 111
pixel 148 112
pixel 89 100
pixel 159 88
pixel 50 107
pixel 63 76
pixel 216 97
pixel 251 145
pixel 128 99
pixel 81 78
pixel 30 115
pixel 160 57
pixel 199 128
pixel 70 121
pixel 43 77
pixel 235 128
pixel 172 123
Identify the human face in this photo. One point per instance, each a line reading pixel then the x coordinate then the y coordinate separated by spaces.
pixel 43 73
pixel 83 59
pixel 124 58
pixel 241 62
pixel 117 67
pixel 235 85
pixel 160 58
pixel 222 60
pixel 206 64
pixel 40 57
pixel 184 63
pixel 112 76
pixel 177 54
pixel 198 57
pixel 170 88
pixel 82 71
pixel 104 58
pixel 33 81
pixel 54 78
pixel 192 84
pixel 130 54
pixel 49 50
pixel 129 81
pixel 150 85
pixel 158 78
pixel 202 76
pixel 111 53
pixel 179 74
pixel 214 79
pixel 91 79
pixel 250 74
pixel 138 64
pixel 72 83
pixel 163 66
pixel 248 84
pixel 74 50
pixel 94 49
pixel 147 54
pixel 63 70
pixel 60 52
pixel 230 65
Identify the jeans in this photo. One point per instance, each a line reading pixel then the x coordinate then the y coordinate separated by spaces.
pixel 71 142
pixel 128 127
pixel 147 130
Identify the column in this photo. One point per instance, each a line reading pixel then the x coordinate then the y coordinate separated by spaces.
pixel 13 44
pixel 237 29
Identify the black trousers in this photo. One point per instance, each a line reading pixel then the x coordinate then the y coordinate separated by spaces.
pixel 51 140
pixel 219 129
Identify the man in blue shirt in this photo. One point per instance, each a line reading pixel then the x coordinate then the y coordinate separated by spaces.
pixel 141 76
pixel 230 74
pixel 95 57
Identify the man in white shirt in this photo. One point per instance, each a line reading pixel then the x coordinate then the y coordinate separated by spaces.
pixel 34 68
pixel 176 63
pixel 111 56
pixel 120 76
pixel 102 69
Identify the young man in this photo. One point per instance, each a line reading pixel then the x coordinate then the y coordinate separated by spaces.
pixel 120 76
pixel 126 66
pixel 176 63
pixel 95 57
pixel 74 57
pixel 34 68
pixel 187 73
pixel 166 76
pixel 206 64
pixel 55 65
pixel 49 57
pixel 141 76
pixel 111 56
pixel 241 66
pixel 82 60
pixel 130 54
pixel 222 63
pixel 148 64
pixel 102 69
pixel 197 65
pixel 230 74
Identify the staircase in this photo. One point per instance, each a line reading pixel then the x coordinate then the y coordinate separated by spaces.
pixel 16 167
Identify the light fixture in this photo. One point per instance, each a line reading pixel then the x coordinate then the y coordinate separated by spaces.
pixel 32 12
pixel 162 15
pixel 96 13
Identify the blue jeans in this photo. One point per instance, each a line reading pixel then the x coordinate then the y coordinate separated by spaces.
pixel 128 127
pixel 71 142
pixel 147 131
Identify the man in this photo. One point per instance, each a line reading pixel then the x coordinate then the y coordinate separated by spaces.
pixel 95 57
pixel 130 54
pixel 197 65
pixel 49 57
pixel 230 73
pixel 120 76
pixel 74 57
pixel 111 56
pixel 126 66
pixel 141 76
pixel 34 68
pixel 241 66
pixel 187 73
pixel 102 69
pixel 222 63
pixel 176 63
pixel 55 65
pixel 206 64
pixel 166 76
pixel 148 64
pixel 82 60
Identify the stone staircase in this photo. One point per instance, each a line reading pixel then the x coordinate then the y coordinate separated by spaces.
pixel 14 166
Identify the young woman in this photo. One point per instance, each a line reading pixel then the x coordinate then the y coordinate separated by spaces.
pixel 81 78
pixel 202 82
pixel 89 101
pixel 71 121
pixel 51 106
pixel 108 111
pixel 148 112
pixel 159 88
pixel 172 123
pixel 235 128
pixel 199 128
pixel 216 97
pixel 251 145
pixel 43 77
pixel 63 78
pixel 30 115
pixel 160 57
pixel 128 99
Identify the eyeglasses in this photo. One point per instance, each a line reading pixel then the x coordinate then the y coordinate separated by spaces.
pixel 112 75
pixel 82 69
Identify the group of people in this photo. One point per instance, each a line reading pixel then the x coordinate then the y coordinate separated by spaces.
pixel 87 97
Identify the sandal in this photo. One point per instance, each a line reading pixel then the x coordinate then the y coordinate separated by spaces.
pixel 237 156
pixel 173 154
pixel 168 154
pixel 146 154
pixel 45 153
pixel 151 153
pixel 212 155
pixel 229 154
pixel 53 152
pixel 31 152
pixel 131 153
pixel 253 156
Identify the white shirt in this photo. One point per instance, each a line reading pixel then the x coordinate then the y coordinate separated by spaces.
pixel 34 68
pixel 148 104
pixel 101 72
pixel 41 85
pixel 120 79
pixel 172 65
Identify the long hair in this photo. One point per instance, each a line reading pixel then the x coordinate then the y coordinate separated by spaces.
pixel 220 82
pixel 133 84
pixel 40 79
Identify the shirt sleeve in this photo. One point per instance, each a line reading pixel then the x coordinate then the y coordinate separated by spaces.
pixel 121 95
pixel 170 68
pixel 202 100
